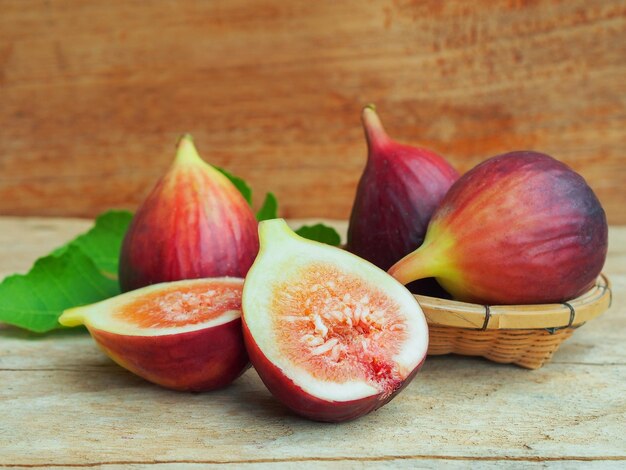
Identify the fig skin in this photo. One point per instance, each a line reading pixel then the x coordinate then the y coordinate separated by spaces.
pixel 397 194
pixel 193 361
pixel 520 228
pixel 307 405
pixel 194 224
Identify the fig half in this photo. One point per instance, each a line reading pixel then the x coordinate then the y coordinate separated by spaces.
pixel 183 335
pixel 332 336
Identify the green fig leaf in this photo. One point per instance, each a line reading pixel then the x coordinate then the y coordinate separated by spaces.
pixel 104 241
pixel 80 272
pixel 269 209
pixel 35 301
pixel 320 233
pixel 239 183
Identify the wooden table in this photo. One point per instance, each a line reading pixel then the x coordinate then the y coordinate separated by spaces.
pixel 63 403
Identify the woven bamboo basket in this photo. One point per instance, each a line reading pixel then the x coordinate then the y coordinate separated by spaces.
pixel 525 335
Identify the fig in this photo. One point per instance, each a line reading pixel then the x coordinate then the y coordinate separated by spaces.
pixel 397 194
pixel 194 224
pixel 332 336
pixel 183 335
pixel 520 228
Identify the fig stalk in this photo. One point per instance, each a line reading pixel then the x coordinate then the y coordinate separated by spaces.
pixel 375 133
pixel 186 152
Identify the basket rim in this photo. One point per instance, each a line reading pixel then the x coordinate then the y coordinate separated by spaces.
pixel 574 313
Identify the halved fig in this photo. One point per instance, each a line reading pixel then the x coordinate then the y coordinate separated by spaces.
pixel 332 336
pixel 183 335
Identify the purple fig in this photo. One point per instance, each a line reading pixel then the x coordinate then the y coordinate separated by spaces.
pixel 520 228
pixel 396 196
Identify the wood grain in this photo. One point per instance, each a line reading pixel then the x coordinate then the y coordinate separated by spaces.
pixel 63 403
pixel 94 94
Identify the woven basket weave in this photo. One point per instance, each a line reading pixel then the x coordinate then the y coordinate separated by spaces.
pixel 525 335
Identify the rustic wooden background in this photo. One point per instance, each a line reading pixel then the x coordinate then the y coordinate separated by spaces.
pixel 94 94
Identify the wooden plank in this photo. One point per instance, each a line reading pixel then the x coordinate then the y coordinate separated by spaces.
pixel 94 97
pixel 24 239
pixel 351 464
pixel 457 408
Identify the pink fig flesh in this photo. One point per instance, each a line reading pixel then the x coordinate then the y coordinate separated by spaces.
pixel 332 336
pixel 183 335
pixel 194 224
pixel 397 194
pixel 310 406
pixel 520 228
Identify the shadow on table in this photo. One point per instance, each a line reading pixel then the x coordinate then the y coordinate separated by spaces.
pixel 9 331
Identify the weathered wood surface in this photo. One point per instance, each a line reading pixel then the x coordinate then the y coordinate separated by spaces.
pixel 94 94
pixel 63 403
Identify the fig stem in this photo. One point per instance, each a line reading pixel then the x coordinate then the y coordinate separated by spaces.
pixel 275 230
pixel 72 317
pixel 411 268
pixel 187 152
pixel 374 130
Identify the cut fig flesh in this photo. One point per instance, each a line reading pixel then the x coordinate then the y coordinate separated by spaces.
pixel 184 335
pixel 331 335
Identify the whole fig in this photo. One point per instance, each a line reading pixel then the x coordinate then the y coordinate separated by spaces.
pixel 396 196
pixel 520 228
pixel 194 224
